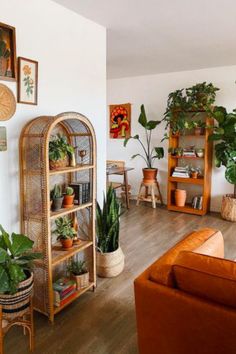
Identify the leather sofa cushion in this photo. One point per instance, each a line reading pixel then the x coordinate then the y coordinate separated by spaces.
pixel 207 277
pixel 162 272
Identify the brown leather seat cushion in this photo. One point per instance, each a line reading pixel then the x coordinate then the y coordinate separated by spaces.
pixel 207 277
pixel 161 271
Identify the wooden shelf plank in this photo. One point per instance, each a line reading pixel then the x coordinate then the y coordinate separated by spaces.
pixel 187 180
pixel 60 255
pixel 186 209
pixel 71 169
pixel 65 211
pixel 77 294
pixel 186 157
pixel 188 135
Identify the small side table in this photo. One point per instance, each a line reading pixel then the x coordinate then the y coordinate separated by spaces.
pixel 26 321
pixel 152 193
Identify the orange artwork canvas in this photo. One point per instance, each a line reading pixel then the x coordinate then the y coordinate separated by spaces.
pixel 120 121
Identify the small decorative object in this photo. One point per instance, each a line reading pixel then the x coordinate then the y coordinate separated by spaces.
pixel 120 121
pixel 200 152
pixel 82 154
pixel 79 273
pixel 7 103
pixel 3 139
pixel 27 81
pixel 59 152
pixel 180 197
pixel 150 154
pixel 75 225
pixel 72 159
pixel 65 232
pixel 179 152
pixel 68 201
pixel 7 52
pixel 194 174
pixel 56 197
pixel 110 258
pixel 171 151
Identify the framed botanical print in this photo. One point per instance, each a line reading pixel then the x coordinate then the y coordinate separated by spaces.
pixel 7 53
pixel 27 81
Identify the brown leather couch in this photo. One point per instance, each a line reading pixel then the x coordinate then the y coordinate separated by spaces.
pixel 186 300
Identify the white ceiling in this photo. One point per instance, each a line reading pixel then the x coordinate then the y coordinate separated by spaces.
pixel 156 36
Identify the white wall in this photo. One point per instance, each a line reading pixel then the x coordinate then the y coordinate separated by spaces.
pixel 153 90
pixel 71 52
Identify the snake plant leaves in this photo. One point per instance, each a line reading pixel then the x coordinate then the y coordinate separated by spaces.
pixel 20 244
pixel 4 280
pixel 230 173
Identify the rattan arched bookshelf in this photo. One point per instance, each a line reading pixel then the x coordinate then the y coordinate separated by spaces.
pixel 37 219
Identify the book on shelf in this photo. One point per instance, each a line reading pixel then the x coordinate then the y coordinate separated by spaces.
pixel 82 192
pixel 197 202
pixel 181 172
pixel 63 288
pixel 60 302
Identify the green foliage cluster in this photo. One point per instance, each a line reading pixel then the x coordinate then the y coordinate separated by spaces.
pixel 150 154
pixel 4 51
pixel 77 267
pixel 108 223
pixel 64 228
pixel 56 192
pixel 16 258
pixel 59 148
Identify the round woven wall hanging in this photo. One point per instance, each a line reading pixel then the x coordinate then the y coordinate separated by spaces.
pixel 7 103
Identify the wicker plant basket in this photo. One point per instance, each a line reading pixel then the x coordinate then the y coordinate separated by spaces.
pixel 82 281
pixel 55 165
pixel 228 207
pixel 17 305
pixel 110 264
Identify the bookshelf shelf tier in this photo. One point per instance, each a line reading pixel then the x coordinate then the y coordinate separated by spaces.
pixel 37 219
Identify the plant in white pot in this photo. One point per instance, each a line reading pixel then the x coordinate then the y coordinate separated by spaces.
pixel 224 131
pixel 110 258
pixel 150 154
pixel 16 277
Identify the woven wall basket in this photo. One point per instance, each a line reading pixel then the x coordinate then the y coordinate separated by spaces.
pixel 228 207
pixel 17 305
pixel 110 264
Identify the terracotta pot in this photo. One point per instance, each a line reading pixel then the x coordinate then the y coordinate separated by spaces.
pixel 110 264
pixel 180 197
pixel 228 207
pixel 194 174
pixel 66 243
pixel 57 204
pixel 68 201
pixel 149 175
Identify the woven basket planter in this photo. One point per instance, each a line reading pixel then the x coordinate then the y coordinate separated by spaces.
pixel 110 264
pixel 17 305
pixel 82 281
pixel 55 165
pixel 228 207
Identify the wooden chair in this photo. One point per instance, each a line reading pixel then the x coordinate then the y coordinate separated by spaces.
pixel 115 163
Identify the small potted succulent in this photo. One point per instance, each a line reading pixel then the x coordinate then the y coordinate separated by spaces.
pixel 16 277
pixel 68 201
pixel 194 172
pixel 65 231
pixel 200 152
pixel 59 152
pixel 79 273
pixel 56 197
pixel 179 152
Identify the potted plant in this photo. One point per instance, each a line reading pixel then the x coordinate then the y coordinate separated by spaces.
pixel 110 258
pixel 65 231
pixel 201 96
pixel 194 172
pixel 179 151
pixel 150 154
pixel 56 197
pixel 16 277
pixel 224 131
pixel 68 201
pixel 79 273
pixel 59 152
pixel 200 152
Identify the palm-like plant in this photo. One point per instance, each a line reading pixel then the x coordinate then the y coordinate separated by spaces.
pixel 108 223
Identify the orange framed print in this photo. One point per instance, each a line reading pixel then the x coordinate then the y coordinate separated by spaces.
pixel 7 53
pixel 27 81
pixel 120 121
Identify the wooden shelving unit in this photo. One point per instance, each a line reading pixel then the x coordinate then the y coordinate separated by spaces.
pixel 204 182
pixel 37 220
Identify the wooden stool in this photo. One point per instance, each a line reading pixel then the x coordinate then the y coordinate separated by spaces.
pixel 150 195
pixel 26 321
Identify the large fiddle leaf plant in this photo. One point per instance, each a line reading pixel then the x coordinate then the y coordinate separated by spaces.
pixel 149 153
pixel 16 259
pixel 224 131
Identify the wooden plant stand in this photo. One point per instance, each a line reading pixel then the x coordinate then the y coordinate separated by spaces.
pixel 152 193
pixel 26 321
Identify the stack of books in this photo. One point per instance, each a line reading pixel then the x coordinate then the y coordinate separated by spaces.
pixel 82 192
pixel 189 152
pixel 181 172
pixel 197 202
pixel 64 289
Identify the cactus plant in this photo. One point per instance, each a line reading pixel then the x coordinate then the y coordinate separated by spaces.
pixel 69 191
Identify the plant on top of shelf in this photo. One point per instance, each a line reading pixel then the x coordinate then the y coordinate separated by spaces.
pixel 79 273
pixel 150 154
pixel 59 151
pixel 69 196
pixel 65 231
pixel 224 131
pixel 110 258
pixel 56 197
pixel 201 96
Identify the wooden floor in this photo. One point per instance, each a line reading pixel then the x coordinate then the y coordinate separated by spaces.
pixel 104 322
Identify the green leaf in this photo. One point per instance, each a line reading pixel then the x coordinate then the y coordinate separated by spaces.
pixel 126 141
pixel 3 255
pixel 152 124
pixel 230 173
pixel 142 117
pixel 5 242
pixel 215 137
pixel 133 157
pixel 4 280
pixel 159 153
pixel 20 244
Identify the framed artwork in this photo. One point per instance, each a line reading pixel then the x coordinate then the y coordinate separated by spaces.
pixel 7 53
pixel 3 139
pixel 120 121
pixel 27 81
